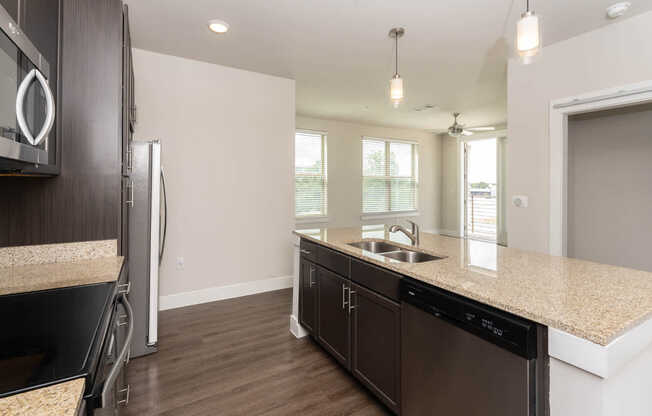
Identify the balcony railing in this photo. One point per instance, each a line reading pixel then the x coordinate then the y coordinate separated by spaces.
pixel 481 217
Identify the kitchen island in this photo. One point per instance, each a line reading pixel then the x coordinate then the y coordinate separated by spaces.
pixel 597 316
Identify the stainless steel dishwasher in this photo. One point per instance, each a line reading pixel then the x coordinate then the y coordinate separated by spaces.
pixel 463 358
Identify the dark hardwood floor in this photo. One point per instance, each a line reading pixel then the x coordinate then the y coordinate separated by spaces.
pixel 237 357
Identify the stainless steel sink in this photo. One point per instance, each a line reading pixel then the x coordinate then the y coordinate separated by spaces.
pixel 376 246
pixel 394 252
pixel 410 256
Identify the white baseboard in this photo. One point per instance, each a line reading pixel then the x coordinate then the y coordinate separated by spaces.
pixel 211 294
pixel 296 329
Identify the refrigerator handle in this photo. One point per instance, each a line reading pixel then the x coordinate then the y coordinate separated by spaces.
pixel 165 218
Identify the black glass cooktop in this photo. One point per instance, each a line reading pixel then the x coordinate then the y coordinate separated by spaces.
pixel 49 336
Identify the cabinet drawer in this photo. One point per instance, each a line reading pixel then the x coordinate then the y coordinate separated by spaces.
pixel 333 260
pixel 375 278
pixel 308 250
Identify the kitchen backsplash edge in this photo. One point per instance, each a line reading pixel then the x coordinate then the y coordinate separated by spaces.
pixel 57 253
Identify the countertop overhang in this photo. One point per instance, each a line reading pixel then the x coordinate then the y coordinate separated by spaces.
pixel 594 302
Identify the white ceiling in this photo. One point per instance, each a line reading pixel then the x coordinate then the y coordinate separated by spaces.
pixel 453 54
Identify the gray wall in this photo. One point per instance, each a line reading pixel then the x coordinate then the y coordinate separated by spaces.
pixel 610 187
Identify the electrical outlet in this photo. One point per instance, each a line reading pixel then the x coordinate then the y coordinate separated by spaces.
pixel 180 263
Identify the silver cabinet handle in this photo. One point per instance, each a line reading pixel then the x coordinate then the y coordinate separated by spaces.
pixel 312 272
pixel 130 201
pixel 130 159
pixel 126 391
pixel 304 251
pixel 115 370
pixel 20 102
pixel 351 305
pixel 124 289
pixel 344 289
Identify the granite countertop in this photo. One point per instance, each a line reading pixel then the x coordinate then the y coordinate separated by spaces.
pixel 592 301
pixel 32 277
pixel 61 399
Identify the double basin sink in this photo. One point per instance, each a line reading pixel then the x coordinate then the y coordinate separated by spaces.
pixel 394 252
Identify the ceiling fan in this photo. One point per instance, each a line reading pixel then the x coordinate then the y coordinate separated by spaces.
pixel 457 130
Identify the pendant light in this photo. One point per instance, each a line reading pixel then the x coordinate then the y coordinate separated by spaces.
pixel 528 35
pixel 396 93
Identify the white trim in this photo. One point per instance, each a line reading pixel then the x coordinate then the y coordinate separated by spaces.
pixel 154 255
pixel 318 219
pixel 603 361
pixel 316 132
pixel 450 233
pixel 296 329
pixel 211 294
pixel 559 111
pixel 382 215
pixel 485 135
pixel 389 139
pixel 430 230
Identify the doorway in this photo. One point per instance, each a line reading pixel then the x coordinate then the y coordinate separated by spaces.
pixel 481 189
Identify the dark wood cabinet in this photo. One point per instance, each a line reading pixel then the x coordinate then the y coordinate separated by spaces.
pixel 308 296
pixel 83 202
pixel 333 314
pixel 376 344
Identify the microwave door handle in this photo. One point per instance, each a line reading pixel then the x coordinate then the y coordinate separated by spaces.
pixel 165 218
pixel 119 362
pixel 20 110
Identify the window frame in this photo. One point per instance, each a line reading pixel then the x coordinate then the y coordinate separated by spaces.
pixel 414 175
pixel 322 217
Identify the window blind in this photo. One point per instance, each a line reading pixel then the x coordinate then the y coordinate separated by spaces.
pixel 310 175
pixel 389 176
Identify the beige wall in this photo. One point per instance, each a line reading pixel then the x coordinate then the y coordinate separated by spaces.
pixel 450 172
pixel 610 187
pixel 227 149
pixel 345 170
pixel 608 57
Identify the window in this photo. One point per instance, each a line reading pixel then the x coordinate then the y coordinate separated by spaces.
pixel 389 176
pixel 310 179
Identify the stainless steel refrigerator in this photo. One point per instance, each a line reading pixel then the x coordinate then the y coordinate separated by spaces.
pixel 147 232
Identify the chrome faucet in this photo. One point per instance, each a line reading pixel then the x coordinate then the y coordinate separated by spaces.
pixel 413 236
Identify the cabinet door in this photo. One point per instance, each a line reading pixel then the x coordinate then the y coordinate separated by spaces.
pixel 308 295
pixel 127 92
pixel 333 316
pixel 376 344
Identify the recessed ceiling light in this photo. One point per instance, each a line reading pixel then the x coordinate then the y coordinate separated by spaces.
pixel 218 26
pixel 616 10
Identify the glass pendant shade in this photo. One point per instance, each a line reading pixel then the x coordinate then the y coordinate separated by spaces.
pixel 396 92
pixel 528 36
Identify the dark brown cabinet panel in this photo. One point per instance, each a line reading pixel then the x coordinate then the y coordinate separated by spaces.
pixel 83 202
pixel 333 315
pixel 376 344
pixel 308 296
pixel 376 278
pixel 333 260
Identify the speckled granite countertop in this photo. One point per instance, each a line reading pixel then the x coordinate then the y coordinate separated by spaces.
pixel 29 278
pixel 61 399
pixel 593 301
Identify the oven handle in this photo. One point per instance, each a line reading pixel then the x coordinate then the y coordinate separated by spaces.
pixel 119 362
pixel 20 111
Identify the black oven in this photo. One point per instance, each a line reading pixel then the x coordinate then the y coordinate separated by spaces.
pixel 109 389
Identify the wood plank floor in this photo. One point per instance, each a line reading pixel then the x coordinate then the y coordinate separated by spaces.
pixel 237 357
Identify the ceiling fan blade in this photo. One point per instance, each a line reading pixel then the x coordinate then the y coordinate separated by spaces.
pixel 485 128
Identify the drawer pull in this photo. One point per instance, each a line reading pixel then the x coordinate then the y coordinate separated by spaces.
pixel 304 251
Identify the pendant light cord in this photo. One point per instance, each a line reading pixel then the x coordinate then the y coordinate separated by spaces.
pixel 396 38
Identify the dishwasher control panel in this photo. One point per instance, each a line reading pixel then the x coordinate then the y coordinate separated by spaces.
pixel 502 328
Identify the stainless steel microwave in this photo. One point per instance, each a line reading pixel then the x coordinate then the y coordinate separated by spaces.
pixel 27 106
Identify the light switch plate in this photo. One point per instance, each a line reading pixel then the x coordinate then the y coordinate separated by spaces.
pixel 520 201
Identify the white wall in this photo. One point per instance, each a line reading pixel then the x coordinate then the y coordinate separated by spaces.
pixel 345 170
pixel 227 149
pixel 608 57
